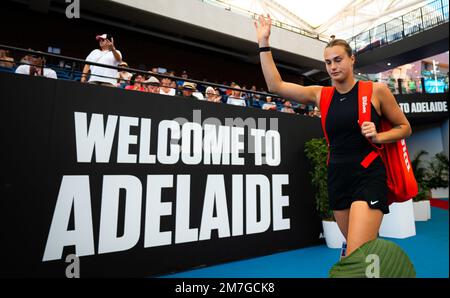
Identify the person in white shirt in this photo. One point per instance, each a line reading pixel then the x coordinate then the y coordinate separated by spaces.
pixel 199 95
pixel 236 98
pixel 269 104
pixel 287 107
pixel 165 88
pixel 108 55
pixel 36 68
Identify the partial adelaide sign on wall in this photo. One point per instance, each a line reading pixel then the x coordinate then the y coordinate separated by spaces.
pixel 423 105
pixel 135 185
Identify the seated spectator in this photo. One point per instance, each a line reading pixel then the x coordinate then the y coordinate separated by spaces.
pixel 229 91
pixel 198 94
pixel 246 95
pixel 36 67
pixel 287 107
pixel 254 96
pixel 124 76
pixel 202 87
pixel 5 60
pixel 236 98
pixel 316 112
pixel 26 59
pixel 211 95
pixel 313 112
pixel 222 90
pixel 173 86
pixel 136 83
pixel 269 104
pixel 302 109
pixel 153 85
pixel 167 87
pixel 180 83
pixel 188 90
pixel 218 96
pixel 108 55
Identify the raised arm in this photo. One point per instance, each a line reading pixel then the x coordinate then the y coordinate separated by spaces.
pixel 299 93
pixel 86 70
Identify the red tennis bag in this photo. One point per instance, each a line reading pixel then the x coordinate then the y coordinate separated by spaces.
pixel 401 182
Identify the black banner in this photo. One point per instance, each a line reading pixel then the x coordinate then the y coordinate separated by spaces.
pixel 137 184
pixel 427 107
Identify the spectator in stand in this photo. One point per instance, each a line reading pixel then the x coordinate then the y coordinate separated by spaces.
pixel 173 86
pixel 218 96
pixel 255 96
pixel 153 85
pixel 167 87
pixel 316 112
pixel 302 109
pixel 236 97
pixel 202 87
pixel 269 104
pixel 180 83
pixel 313 112
pixel 310 111
pixel 124 76
pixel 5 60
pixel 197 93
pixel 211 95
pixel 26 59
pixel 154 70
pixel 136 83
pixel 229 91
pixel 246 95
pixel 188 90
pixel 36 67
pixel 287 107
pixel 108 55
pixel 222 90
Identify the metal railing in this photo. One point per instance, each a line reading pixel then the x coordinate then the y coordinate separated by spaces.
pixel 74 72
pixel 275 23
pixel 413 22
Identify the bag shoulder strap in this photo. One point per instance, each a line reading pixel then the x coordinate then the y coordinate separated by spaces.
pixel 325 101
pixel 365 90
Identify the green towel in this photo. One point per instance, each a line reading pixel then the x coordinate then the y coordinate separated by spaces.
pixel 363 262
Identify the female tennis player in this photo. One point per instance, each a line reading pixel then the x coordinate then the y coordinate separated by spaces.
pixel 357 195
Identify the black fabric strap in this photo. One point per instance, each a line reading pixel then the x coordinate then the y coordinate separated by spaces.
pixel 264 49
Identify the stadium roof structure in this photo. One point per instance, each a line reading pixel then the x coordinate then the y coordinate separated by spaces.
pixel 342 18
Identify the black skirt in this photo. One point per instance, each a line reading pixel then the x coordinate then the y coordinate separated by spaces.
pixel 349 181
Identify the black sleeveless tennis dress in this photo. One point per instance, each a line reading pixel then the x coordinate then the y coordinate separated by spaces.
pixel 348 180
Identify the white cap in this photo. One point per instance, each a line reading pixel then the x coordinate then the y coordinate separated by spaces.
pixel 152 79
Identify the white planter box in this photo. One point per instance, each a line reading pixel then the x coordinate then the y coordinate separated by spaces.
pixel 332 233
pixel 399 223
pixel 439 193
pixel 422 210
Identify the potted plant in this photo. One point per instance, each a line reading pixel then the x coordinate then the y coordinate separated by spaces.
pixel 317 151
pixel 421 201
pixel 437 171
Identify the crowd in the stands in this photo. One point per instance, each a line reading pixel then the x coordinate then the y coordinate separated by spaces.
pixel 157 80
